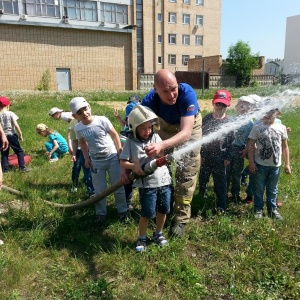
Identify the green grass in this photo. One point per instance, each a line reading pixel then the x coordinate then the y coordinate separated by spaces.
pixel 54 254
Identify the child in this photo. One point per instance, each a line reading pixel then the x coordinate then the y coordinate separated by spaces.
pixel 78 161
pixel 215 155
pixel 270 138
pixel 123 137
pixel 154 190
pixel 9 123
pixel 56 146
pixel 238 147
pixel 58 113
pixel 97 134
pixel 3 146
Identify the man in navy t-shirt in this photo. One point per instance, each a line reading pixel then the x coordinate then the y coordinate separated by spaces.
pixel 180 121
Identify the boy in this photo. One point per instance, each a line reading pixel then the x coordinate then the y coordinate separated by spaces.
pixel 215 155
pixel 58 113
pixel 9 123
pixel 270 138
pixel 154 190
pixel 123 137
pixel 238 147
pixel 100 145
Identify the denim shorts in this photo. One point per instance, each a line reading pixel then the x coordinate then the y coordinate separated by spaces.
pixel 155 199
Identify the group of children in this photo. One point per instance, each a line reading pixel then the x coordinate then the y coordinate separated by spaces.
pixel 263 142
pixel 99 150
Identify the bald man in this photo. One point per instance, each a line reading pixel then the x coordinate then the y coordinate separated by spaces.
pixel 180 122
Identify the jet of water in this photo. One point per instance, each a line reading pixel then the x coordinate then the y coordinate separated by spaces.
pixel 276 101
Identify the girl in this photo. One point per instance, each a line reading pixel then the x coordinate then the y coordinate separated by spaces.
pixel 57 145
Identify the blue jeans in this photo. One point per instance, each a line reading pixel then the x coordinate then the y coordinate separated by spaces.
pixel 266 177
pixel 13 141
pixel 155 199
pixel 214 166
pixel 109 165
pixel 251 184
pixel 87 176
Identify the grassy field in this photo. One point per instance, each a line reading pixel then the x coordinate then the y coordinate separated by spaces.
pixel 54 254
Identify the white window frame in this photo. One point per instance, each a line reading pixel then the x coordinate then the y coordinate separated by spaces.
pixel 185 39
pixel 172 59
pixel 186 1
pixel 113 13
pixel 199 2
pixel 172 17
pixel 198 40
pixel 172 38
pixel 173 1
pixel 159 39
pixel 9 7
pixel 199 20
pixel 185 59
pixel 186 19
pixel 159 17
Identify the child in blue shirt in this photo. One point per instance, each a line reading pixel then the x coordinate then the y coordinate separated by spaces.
pixel 56 145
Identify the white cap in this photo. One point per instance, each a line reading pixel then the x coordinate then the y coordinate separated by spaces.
pixel 54 110
pixel 247 99
pixel 77 103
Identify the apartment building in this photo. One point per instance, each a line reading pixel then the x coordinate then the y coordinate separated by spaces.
pixel 170 32
pixel 86 45
pixel 291 63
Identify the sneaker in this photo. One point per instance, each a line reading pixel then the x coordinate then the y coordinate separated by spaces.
pixel 100 220
pixel 220 211
pixel 177 230
pixel 258 214
pixel 275 215
pixel 140 245
pixel 249 199
pixel 159 239
pixel 278 204
pixel 24 169
pixel 124 217
pixel 53 159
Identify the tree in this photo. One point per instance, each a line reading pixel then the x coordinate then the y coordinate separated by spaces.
pixel 241 63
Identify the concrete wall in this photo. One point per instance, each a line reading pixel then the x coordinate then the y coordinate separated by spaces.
pixel 97 59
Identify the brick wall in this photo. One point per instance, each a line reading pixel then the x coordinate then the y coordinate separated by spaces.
pixel 96 59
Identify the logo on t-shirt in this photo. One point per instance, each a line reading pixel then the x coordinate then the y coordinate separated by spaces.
pixel 191 108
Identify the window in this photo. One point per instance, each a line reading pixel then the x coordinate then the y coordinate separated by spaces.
pixel 41 8
pixel 199 2
pixel 199 20
pixel 172 38
pixel 199 40
pixel 185 59
pixel 159 60
pixel 185 19
pixel 159 39
pixel 198 56
pixel 9 7
pixel 159 17
pixel 113 13
pixel 173 1
pixel 172 59
pixel 172 17
pixel 186 1
pixel 185 39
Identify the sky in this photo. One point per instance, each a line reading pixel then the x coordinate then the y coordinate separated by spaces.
pixel 260 23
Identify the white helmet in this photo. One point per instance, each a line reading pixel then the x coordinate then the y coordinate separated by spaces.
pixel 139 115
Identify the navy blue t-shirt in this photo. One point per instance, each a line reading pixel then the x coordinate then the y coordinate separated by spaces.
pixel 186 104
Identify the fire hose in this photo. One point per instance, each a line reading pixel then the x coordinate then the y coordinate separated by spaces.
pixel 148 169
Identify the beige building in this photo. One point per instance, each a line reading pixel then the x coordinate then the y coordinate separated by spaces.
pixel 89 45
pixel 86 45
pixel 170 32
